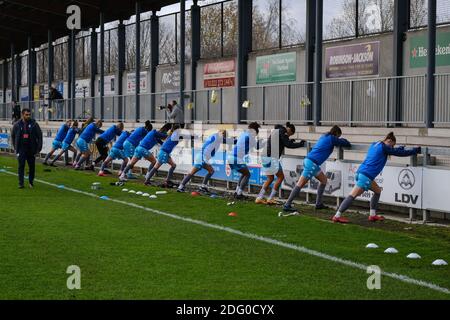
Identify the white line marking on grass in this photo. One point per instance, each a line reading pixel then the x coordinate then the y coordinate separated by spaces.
pixel 295 247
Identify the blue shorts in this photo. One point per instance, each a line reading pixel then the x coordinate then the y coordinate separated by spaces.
pixel 363 181
pixel 65 146
pixel 270 166
pixel 82 145
pixel 200 162
pixel 141 152
pixel 235 164
pixel 129 149
pixel 56 144
pixel 310 169
pixel 163 157
pixel 115 153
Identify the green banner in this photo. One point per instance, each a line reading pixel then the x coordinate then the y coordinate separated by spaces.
pixel 276 68
pixel 418 52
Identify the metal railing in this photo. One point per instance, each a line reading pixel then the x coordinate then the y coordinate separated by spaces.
pixel 271 104
pixel 368 102
pixel 373 101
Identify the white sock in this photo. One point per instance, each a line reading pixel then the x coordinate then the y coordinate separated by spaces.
pixel 204 186
pixel 338 214
pixel 373 213
pixel 262 194
pixel 239 192
pixel 273 194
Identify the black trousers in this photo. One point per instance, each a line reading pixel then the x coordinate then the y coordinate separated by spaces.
pixel 26 157
pixel 102 147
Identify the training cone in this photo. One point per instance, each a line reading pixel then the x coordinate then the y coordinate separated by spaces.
pixel 160 192
pixel 61 186
pixel 195 194
pixel 104 198
pixel 145 195
pixel 372 246
pixel 413 256
pixel 139 193
pixel 230 204
pixel 440 262
pixel 131 191
pixel 153 197
pixel 391 251
pixel 125 190
pixel 232 214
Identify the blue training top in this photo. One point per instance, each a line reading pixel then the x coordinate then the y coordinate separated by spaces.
pixel 119 142
pixel 111 133
pixel 62 132
pixel 137 136
pixel 377 157
pixel 211 145
pixel 171 142
pixel 71 135
pixel 89 132
pixel 152 138
pixel 324 147
pixel 243 145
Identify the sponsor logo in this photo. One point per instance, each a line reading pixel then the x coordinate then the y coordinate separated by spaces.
pixel 406 179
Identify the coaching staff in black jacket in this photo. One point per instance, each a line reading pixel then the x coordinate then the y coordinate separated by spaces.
pixel 27 141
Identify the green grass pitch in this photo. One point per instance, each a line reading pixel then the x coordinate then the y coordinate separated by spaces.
pixel 129 253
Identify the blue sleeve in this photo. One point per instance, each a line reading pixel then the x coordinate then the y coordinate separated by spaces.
pixel 340 142
pixel 98 130
pixel 400 151
pixel 160 135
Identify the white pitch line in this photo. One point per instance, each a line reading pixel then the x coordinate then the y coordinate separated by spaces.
pixel 295 247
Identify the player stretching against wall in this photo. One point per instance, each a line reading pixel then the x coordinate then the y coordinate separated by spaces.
pixel 116 153
pixel 164 156
pixel 57 142
pixel 133 141
pixel 67 143
pixel 152 138
pixel 372 166
pixel 104 139
pixel 203 159
pixel 271 165
pixel 236 160
pixel 85 139
pixel 311 166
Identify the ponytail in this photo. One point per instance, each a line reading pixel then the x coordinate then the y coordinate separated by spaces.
pixel 391 137
pixel 335 131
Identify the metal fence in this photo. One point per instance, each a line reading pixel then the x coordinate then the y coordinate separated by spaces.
pixel 279 103
pixel 373 101
pixel 368 102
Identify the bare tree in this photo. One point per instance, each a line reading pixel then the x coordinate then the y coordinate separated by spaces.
pixel 418 13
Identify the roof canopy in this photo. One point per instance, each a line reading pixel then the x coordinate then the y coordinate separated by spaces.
pixel 22 18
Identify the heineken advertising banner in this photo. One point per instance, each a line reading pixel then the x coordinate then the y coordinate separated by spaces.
pixel 418 53
pixel 276 68
pixel 356 60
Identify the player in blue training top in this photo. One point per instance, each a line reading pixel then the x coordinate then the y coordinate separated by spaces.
pixel 164 156
pixel 67 144
pixel 365 176
pixel 144 148
pixel 116 153
pixel 57 142
pixel 104 139
pixel 237 159
pixel 311 166
pixel 203 160
pixel 85 139
pixel 133 141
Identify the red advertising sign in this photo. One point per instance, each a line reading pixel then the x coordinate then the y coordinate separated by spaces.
pixel 219 74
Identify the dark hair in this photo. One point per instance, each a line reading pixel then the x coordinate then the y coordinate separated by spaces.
pixel 174 103
pixel 290 126
pixel 25 110
pixel 75 123
pixel 255 126
pixel 166 127
pixel 391 136
pixel 176 126
pixel 148 125
pixel 335 131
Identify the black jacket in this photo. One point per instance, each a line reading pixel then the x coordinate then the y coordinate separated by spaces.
pixel 55 95
pixel 35 145
pixel 284 142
